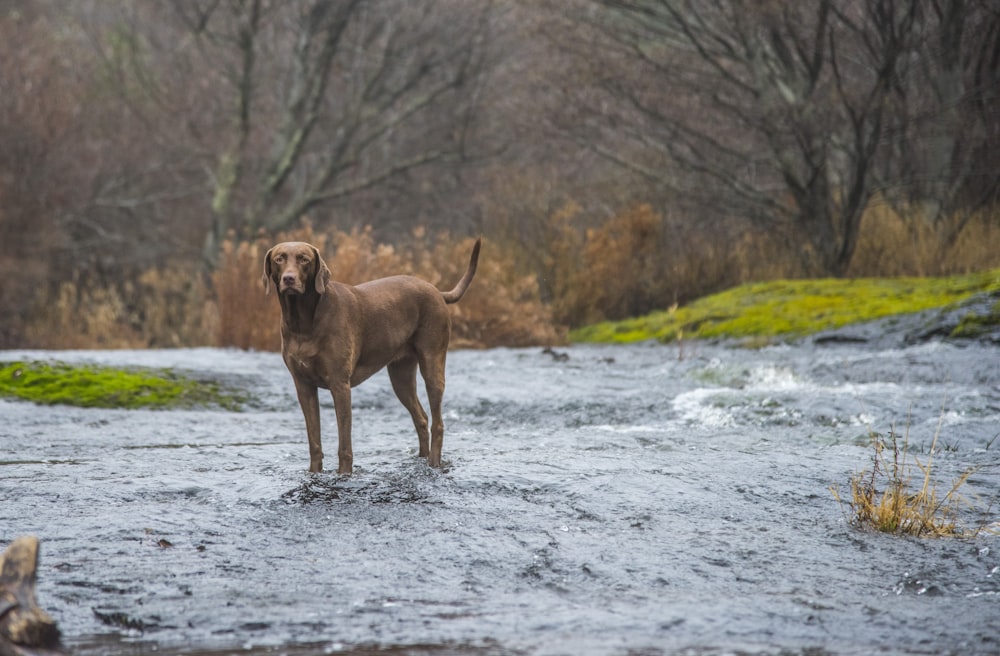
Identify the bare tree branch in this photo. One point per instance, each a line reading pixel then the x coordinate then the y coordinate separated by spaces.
pixel 772 111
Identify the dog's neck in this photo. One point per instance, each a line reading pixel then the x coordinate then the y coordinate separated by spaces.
pixel 298 312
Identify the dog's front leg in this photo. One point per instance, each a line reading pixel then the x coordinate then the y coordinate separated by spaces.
pixel 309 402
pixel 342 405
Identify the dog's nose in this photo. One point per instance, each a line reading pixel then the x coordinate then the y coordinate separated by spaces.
pixel 288 279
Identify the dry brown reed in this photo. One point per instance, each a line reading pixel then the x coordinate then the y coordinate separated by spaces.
pixel 894 244
pixel 83 317
pixel 527 292
pixel 637 261
pixel 159 308
pixel 501 307
pixel 247 319
pixel 899 507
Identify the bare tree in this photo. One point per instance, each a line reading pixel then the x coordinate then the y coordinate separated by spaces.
pixel 942 133
pixel 300 103
pixel 770 111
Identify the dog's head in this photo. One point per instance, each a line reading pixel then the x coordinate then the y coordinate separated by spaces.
pixel 295 267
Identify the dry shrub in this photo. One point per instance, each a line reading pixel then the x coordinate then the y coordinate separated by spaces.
pixel 600 273
pixel 623 267
pixel 560 262
pixel 890 245
pixel 975 247
pixel 173 308
pixel 907 244
pixel 247 318
pixel 161 308
pixel 501 308
pixel 637 262
pixel 356 258
pixel 527 289
pixel 75 316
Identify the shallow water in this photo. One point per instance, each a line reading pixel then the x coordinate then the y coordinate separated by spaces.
pixel 619 500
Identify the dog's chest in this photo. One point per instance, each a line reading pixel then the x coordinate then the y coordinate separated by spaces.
pixel 303 361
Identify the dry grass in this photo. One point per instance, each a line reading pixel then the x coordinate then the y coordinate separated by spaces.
pixel 84 317
pixel 160 308
pixel 891 244
pixel 886 499
pixel 501 308
pixel 172 307
pixel 530 287
pixel 247 319
pixel 638 261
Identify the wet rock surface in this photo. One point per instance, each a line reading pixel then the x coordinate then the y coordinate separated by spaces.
pixel 611 500
pixel 975 320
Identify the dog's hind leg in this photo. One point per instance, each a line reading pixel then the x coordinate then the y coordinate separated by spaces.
pixel 403 375
pixel 432 369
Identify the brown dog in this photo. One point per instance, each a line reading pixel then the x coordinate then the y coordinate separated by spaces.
pixel 335 336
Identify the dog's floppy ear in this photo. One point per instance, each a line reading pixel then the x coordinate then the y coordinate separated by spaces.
pixel 323 274
pixel 266 279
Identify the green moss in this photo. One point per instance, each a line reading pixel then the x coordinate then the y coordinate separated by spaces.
pixel 792 308
pixel 973 325
pixel 49 383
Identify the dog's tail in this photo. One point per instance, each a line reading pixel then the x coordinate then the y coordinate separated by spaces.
pixel 455 295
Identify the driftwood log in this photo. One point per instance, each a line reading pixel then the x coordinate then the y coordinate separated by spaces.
pixel 25 629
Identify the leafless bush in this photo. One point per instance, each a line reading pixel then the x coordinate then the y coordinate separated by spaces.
pixel 502 308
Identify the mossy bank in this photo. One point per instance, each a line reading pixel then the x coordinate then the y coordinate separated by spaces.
pixel 49 383
pixel 788 309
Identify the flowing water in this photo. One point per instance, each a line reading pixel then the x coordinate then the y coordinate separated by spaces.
pixel 643 499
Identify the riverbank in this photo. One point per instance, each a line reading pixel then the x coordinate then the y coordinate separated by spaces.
pixel 761 313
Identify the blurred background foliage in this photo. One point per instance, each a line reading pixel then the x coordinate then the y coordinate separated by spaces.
pixel 619 156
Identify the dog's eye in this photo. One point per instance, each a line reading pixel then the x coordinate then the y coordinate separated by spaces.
pixel 303 259
pixel 279 258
